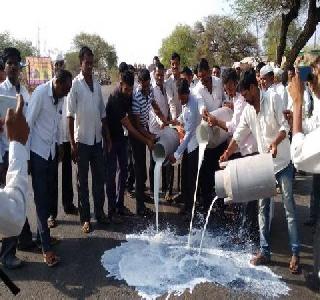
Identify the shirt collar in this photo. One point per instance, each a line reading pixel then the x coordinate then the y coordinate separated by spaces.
pixel 8 83
pixel 81 77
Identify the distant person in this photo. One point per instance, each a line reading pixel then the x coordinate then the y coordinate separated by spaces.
pixel 2 71
pixel 279 86
pixel 87 126
pixel 118 110
pixel 216 71
pixel 155 61
pixel 188 75
pixel 43 116
pixel 259 66
pixel 266 77
pixel 11 87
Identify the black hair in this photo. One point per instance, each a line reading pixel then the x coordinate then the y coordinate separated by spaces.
pixel 310 77
pixel 123 67
pixel 291 68
pixel 183 87
pixel 259 66
pixel 127 77
pixel 131 68
pixel 63 76
pixel 203 65
pixel 216 66
pixel 247 78
pixel 156 58
pixel 10 52
pixel 85 50
pixel 187 71
pixel 144 75
pixel 1 64
pixel 175 55
pixel 159 66
pixel 229 75
pixel 195 69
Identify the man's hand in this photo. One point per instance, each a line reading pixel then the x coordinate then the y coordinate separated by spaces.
pixel 74 152
pixel 150 144
pixel 224 156
pixel 172 159
pixel 17 126
pixel 288 115
pixel 273 149
pixel 228 104
pixel 296 89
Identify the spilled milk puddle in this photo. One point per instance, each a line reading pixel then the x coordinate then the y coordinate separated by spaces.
pixel 160 263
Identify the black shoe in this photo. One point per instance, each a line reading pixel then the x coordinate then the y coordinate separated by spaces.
pixel 125 212
pixel 73 210
pixel 144 212
pixel 27 247
pixel 103 220
pixel 11 262
pixel 310 222
pixel 148 199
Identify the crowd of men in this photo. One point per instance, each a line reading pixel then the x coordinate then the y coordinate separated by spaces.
pixel 70 121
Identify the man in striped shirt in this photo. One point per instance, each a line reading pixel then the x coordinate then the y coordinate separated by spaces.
pixel 142 102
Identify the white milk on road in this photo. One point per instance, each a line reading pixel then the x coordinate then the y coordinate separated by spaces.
pixel 156 187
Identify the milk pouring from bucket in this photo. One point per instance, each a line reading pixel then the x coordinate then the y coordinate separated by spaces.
pixel 246 179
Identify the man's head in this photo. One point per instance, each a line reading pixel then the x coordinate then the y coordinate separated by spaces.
pixel 216 71
pixel 86 61
pixel 259 66
pixel 204 71
pixel 278 75
pixel 123 67
pixel 2 71
pixel 126 83
pixel 12 59
pixel 183 91
pixel 187 74
pixel 132 69
pixel 291 72
pixel 230 81
pixel 159 74
pixel 62 83
pixel 175 64
pixel 249 88
pixel 266 77
pixel 58 63
pixel 155 60
pixel 144 79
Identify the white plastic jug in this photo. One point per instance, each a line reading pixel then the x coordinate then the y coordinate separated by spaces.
pixel 246 179
pixel 214 136
pixel 167 144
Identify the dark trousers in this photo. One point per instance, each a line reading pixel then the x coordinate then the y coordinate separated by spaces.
pixel 315 197
pixel 43 173
pixel 54 183
pixel 189 171
pixel 9 245
pixel 131 177
pixel 166 175
pixel 140 169
pixel 209 166
pixel 67 185
pixel 117 155
pixel 90 155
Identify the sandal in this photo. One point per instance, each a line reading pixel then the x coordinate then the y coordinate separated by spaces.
pixel 52 223
pixel 260 260
pixel 168 197
pixel 294 265
pixel 51 259
pixel 86 228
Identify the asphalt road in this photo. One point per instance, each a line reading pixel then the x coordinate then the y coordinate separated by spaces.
pixel 81 275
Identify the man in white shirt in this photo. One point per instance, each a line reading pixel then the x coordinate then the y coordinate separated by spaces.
pixel 171 87
pixel 87 124
pixel 279 86
pixel 11 87
pixel 209 91
pixel 155 127
pixel 265 120
pixel 43 117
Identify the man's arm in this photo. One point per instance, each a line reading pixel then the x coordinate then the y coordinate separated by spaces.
pixel 137 124
pixel 170 96
pixel 158 112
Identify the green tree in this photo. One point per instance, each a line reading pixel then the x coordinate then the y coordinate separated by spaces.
pixel 25 47
pixel 224 40
pixel 272 37
pixel 105 55
pixel 72 62
pixel 183 41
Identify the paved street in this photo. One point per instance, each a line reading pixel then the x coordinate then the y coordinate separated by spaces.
pixel 80 274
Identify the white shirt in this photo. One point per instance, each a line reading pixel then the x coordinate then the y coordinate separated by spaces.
pixel 173 99
pixel 281 90
pixel 14 196
pixel 207 100
pixel 64 126
pixel 44 118
pixel 310 124
pixel 87 108
pixel 265 126
pixel 161 99
pixel 7 89
pixel 305 151
pixel 248 145
pixel 306 101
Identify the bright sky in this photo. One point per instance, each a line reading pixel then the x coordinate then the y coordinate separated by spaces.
pixel 135 28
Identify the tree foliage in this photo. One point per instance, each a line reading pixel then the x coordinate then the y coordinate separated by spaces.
pixel 105 55
pixel 72 62
pixel 24 46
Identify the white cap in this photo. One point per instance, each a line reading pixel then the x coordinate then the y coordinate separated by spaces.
pixel 59 57
pixel 277 71
pixel 237 64
pixel 265 70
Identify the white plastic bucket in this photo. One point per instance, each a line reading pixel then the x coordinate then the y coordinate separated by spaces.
pixel 246 179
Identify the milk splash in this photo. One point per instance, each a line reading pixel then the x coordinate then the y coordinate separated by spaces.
pixel 159 264
pixel 156 187
pixel 202 148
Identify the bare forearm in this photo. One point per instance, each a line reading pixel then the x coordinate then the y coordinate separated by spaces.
pixel 280 137
pixel 71 130
pixel 297 118
pixel 222 125
pixel 233 146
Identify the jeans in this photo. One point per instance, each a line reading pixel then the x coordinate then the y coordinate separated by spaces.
pixel 284 178
pixel 115 193
pixel 43 172
pixel 67 185
pixel 315 197
pixel 131 176
pixel 90 154
pixel 55 196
